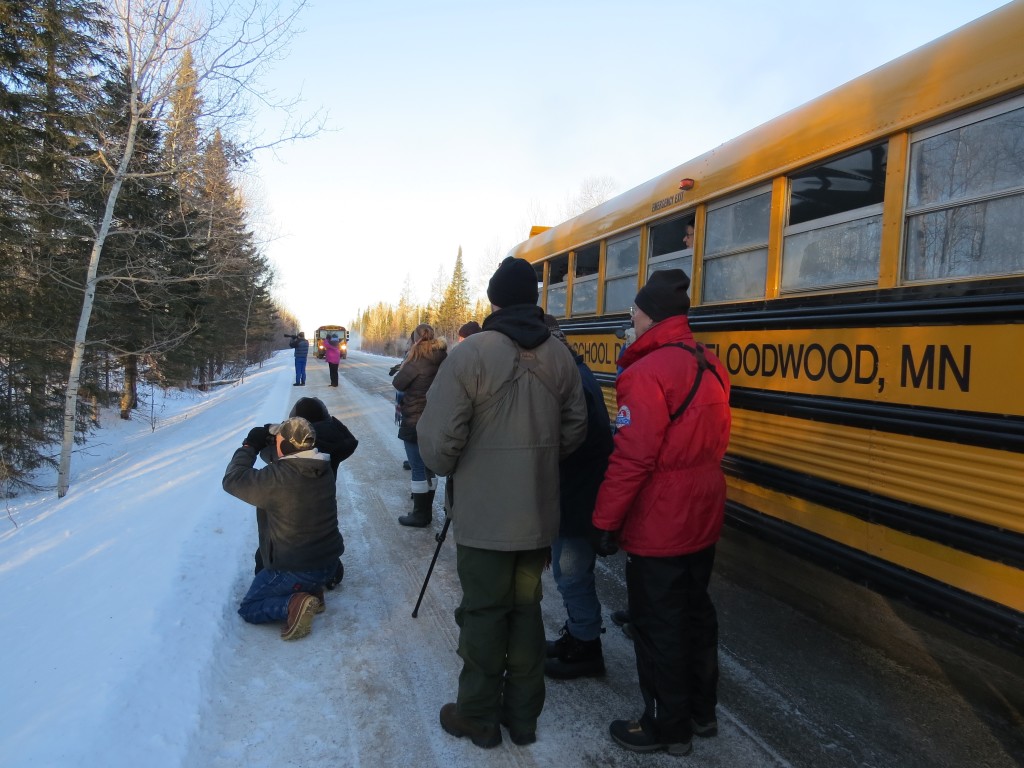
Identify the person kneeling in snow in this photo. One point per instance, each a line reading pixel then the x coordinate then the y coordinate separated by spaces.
pixel 333 439
pixel 302 542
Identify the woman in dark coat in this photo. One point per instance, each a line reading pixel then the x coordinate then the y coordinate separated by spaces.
pixel 413 379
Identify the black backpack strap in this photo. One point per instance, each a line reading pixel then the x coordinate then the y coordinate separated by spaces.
pixel 702 365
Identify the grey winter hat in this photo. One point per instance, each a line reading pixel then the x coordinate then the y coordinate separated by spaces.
pixel 297 432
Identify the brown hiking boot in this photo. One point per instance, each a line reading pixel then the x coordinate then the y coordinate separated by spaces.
pixel 485 736
pixel 319 595
pixel 301 608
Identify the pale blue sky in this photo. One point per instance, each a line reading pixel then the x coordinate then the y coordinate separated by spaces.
pixel 464 122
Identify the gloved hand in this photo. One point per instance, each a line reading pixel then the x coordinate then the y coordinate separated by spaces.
pixel 604 543
pixel 257 438
pixel 394 369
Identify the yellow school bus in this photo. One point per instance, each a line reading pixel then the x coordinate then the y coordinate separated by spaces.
pixel 325 332
pixel 858 265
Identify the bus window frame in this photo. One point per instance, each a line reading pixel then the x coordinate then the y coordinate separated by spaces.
pixel 765 245
pixel 871 211
pixel 634 232
pixel 956 122
pixel 562 284
pixel 585 280
pixel 688 218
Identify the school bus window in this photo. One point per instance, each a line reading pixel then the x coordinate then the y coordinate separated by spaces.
pixel 558 278
pixel 736 249
pixel 621 270
pixel 671 246
pixel 584 284
pixel 538 270
pixel 834 235
pixel 965 201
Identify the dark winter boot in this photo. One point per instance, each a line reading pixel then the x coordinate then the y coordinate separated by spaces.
pixel 421 512
pixel 561 645
pixel 576 658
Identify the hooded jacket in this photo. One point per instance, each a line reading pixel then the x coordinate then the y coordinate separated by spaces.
pixel 413 380
pixel 298 497
pixel 332 437
pixel 332 350
pixel 581 472
pixel 664 489
pixel 505 407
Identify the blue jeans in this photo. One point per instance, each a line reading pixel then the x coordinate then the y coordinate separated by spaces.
pixel 300 370
pixel 572 565
pixel 423 479
pixel 412 452
pixel 268 596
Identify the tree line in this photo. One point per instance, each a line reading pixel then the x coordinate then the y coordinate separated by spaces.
pixel 385 328
pixel 126 248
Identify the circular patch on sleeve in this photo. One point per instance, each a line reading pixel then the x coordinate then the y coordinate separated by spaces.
pixel 622 417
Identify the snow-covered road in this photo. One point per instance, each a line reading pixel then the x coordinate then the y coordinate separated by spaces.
pixel 364 689
pixel 122 647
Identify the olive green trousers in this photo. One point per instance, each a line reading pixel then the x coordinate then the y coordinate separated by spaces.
pixel 501 641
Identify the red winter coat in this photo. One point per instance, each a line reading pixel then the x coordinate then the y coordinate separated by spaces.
pixel 664 489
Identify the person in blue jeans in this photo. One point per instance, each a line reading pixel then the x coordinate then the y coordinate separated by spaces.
pixel 413 378
pixel 301 544
pixel 577 652
pixel 301 347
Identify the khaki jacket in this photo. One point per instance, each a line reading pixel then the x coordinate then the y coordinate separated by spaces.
pixel 502 439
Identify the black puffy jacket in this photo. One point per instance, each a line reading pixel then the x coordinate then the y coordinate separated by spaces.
pixel 298 496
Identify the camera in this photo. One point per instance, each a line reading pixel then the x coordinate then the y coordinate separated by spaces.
pixel 289 335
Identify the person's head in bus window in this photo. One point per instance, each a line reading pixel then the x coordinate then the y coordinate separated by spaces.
pixel 688 237
pixel 663 296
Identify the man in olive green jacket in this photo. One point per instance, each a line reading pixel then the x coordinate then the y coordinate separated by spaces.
pixel 506 405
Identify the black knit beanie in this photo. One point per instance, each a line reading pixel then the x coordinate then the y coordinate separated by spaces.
pixel 312 409
pixel 469 329
pixel 664 295
pixel 514 282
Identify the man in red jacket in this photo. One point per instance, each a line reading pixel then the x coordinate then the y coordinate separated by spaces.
pixel 663 502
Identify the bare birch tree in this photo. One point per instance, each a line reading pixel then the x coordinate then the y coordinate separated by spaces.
pixel 231 44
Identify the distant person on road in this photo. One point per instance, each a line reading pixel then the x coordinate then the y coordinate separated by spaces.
pixel 333 439
pixel 505 407
pixel 663 501
pixel 301 346
pixel 302 542
pixel 413 378
pixel 332 354
pixel 577 652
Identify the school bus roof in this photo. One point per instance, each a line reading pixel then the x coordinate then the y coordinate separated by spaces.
pixel 975 63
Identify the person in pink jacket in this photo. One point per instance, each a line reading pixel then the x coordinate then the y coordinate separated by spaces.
pixel 663 502
pixel 332 354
